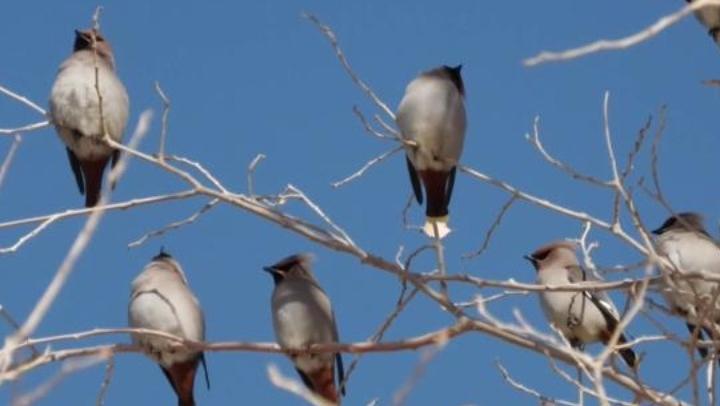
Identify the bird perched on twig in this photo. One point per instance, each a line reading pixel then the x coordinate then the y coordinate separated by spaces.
pixel 583 317
pixel 162 300
pixel 682 238
pixel 76 113
pixel 431 119
pixel 302 316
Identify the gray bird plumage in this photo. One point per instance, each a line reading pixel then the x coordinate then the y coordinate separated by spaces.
pixel 710 18
pixel 302 316
pixel 75 110
pixel 583 317
pixel 431 115
pixel 162 300
pixel 683 240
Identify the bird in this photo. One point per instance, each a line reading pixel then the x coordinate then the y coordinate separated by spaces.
pixel 683 240
pixel 75 110
pixel 431 119
pixel 710 18
pixel 302 316
pixel 161 299
pixel 583 317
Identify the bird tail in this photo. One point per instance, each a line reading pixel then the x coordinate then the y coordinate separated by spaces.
pixel 439 186
pixel 93 174
pixel 627 353
pixel 436 227
pixel 323 383
pixel 182 379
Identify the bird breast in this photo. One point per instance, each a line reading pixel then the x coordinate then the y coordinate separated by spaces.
pixel 170 312
pixel 572 313
pixel 301 317
pixel 74 106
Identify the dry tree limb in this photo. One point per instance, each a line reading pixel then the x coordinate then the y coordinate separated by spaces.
pixel 543 399
pixel 82 240
pixel 109 371
pixel 68 368
pixel 626 42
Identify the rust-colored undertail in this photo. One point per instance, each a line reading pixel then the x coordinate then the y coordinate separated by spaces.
pixel 436 188
pixel 181 376
pixel 92 174
pixel 322 382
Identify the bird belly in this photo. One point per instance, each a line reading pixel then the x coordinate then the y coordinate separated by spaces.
pixel 296 327
pixel 574 315
pixel 75 111
pixel 150 311
pixel 691 256
pixel 84 147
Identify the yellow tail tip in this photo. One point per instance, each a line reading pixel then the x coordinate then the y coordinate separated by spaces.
pixel 436 227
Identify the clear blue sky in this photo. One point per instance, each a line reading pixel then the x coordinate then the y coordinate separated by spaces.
pixel 254 77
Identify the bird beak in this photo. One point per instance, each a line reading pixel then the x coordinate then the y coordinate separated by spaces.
pixel 270 270
pixel 657 231
pixel 531 259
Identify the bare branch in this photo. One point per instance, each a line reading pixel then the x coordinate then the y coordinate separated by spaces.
pixel 66 268
pixel 251 171
pixel 9 158
pixel 22 99
pixel 367 166
pixel 626 42
pixel 165 113
pixel 491 231
pixel 174 226
pixel 330 35
pixel 109 369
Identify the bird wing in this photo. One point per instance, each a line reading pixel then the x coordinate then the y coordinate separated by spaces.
pixel 75 166
pixel 415 181
pixel 599 299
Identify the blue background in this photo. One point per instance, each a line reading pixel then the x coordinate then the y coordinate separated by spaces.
pixel 254 77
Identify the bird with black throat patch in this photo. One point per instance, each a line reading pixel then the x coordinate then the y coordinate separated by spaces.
pixel 80 119
pixel 685 242
pixel 432 123
pixel 302 316
pixel 584 316
pixel 161 300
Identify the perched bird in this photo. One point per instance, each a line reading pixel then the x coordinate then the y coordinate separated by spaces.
pixel 161 300
pixel 431 118
pixel 583 317
pixel 302 316
pixel 682 238
pixel 75 110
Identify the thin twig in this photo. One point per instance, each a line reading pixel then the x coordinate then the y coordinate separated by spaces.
pixel 165 113
pixel 9 157
pixel 367 166
pixel 330 35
